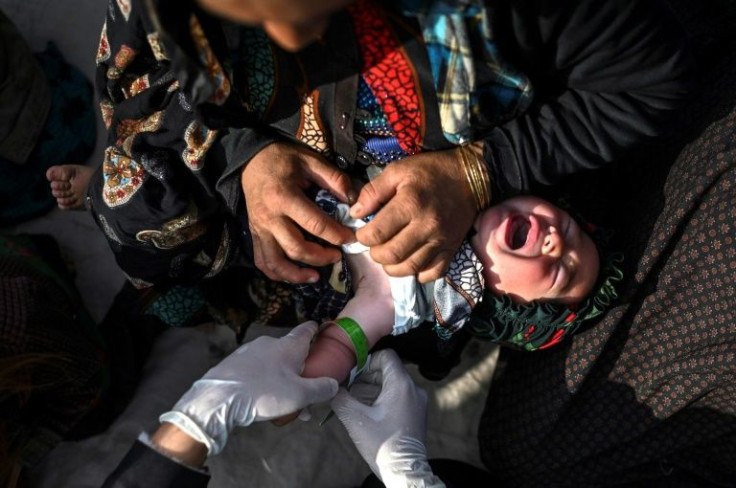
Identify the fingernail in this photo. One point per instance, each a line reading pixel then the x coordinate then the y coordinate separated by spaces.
pixel 356 209
pixel 313 279
pixel 352 196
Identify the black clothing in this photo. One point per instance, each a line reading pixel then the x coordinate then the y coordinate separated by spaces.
pixel 190 103
pixel 145 467
pixel 25 98
pixel 649 392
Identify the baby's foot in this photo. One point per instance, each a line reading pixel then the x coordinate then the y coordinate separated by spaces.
pixel 69 184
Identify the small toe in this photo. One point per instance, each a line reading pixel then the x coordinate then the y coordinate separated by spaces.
pixel 63 173
pixel 67 202
pixel 62 194
pixel 53 173
pixel 60 185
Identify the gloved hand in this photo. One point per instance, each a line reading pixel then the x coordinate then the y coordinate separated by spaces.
pixel 259 381
pixel 389 434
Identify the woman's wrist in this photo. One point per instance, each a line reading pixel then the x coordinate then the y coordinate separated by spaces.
pixel 476 172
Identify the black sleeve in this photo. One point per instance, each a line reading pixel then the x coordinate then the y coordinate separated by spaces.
pixel 168 191
pixel 146 468
pixel 606 75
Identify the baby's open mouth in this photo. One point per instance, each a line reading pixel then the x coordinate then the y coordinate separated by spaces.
pixel 519 232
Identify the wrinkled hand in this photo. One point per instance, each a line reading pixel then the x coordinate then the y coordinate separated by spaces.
pixel 428 207
pixel 261 380
pixel 389 433
pixel 274 184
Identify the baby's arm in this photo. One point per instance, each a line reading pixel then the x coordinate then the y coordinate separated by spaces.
pixel 371 306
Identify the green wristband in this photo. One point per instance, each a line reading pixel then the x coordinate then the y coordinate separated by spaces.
pixel 357 337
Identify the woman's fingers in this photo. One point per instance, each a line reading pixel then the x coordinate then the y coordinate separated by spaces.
pixel 280 215
pixel 427 209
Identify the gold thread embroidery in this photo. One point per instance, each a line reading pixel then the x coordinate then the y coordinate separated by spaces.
pixel 103 49
pixel 176 232
pixel 123 177
pixel 125 8
pixel 198 139
pixel 154 40
pixel 123 58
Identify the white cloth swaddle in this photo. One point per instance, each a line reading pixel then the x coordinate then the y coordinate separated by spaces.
pixel 412 300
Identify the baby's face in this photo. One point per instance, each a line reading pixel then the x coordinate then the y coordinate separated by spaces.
pixel 533 250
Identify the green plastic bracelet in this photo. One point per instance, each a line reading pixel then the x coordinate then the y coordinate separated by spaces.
pixel 357 337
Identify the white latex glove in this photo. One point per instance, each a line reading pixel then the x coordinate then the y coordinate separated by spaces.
pixel 389 434
pixel 259 381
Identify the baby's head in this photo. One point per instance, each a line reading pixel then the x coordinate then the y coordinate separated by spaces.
pixel 533 250
pixel 544 275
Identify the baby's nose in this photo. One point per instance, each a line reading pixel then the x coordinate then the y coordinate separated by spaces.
pixel 553 244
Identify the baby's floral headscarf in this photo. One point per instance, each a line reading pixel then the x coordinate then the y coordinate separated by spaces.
pixel 539 325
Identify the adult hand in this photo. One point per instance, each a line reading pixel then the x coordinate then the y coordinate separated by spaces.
pixel 274 184
pixel 389 434
pixel 428 207
pixel 261 380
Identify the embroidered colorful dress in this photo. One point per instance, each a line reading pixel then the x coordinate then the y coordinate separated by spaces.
pixel 189 99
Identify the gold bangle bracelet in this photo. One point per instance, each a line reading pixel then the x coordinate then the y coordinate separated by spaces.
pixel 468 175
pixel 477 175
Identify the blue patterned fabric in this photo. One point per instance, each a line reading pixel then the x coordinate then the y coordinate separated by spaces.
pixel 375 135
pixel 324 299
pixel 454 296
pixel 177 306
pixel 475 86
pixel 453 31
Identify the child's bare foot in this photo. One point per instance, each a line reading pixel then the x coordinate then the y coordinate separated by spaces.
pixel 69 184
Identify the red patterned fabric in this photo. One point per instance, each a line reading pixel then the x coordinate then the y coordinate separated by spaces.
pixel 389 74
